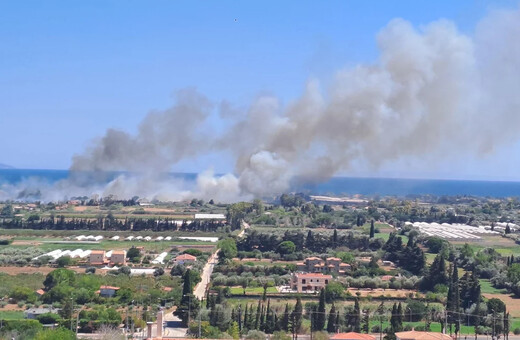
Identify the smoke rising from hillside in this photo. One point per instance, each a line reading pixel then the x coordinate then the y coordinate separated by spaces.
pixel 434 92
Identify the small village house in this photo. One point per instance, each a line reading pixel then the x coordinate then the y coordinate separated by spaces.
pixel 185 259
pixel 118 257
pixel 97 258
pixel 309 282
pixel 33 313
pixel 108 291
pixel 317 265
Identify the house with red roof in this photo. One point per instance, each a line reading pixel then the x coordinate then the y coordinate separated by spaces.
pixel 185 259
pixel 352 336
pixel 309 282
pixel 108 291
pixel 316 265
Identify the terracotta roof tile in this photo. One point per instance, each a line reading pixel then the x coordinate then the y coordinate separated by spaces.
pixel 352 336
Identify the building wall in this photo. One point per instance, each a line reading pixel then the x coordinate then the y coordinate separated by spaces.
pixel 302 284
pixel 184 261
pixel 107 292
pixel 96 258
pixel 118 258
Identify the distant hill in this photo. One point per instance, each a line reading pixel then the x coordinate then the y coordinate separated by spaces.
pixel 5 166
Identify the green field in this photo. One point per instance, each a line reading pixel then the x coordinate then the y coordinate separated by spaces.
pixel 487 288
pixel 63 233
pixel 252 290
pixel 11 315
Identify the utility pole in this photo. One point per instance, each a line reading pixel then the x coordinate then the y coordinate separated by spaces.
pixel 71 311
pixel 311 323
pixel 380 327
pixel 77 322
pixel 199 321
pixel 445 321
pixel 189 310
pixel 133 321
pixel 493 335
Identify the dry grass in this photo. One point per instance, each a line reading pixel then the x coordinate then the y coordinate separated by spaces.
pixel 513 304
pixel 41 270
pixel 396 293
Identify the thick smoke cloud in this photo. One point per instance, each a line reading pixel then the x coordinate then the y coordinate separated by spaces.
pixel 434 92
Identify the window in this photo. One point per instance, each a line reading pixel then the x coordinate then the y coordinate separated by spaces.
pixel 326 282
pixel 304 281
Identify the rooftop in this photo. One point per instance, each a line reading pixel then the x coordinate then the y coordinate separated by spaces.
pixel 313 276
pixel 352 336
pixel 109 287
pixel 333 259
pixel 417 335
pixel 97 252
pixel 186 257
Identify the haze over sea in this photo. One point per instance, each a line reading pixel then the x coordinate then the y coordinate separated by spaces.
pixel 335 186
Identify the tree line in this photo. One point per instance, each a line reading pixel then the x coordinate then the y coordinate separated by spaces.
pixel 109 223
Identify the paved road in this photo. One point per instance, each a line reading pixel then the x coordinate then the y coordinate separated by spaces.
pixel 173 325
pixel 200 288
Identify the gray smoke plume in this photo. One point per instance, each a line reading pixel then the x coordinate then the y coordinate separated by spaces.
pixel 433 92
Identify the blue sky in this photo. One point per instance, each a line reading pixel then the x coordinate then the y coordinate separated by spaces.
pixel 71 69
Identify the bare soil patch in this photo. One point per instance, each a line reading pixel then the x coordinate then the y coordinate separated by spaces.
pixel 400 293
pixel 512 303
pixel 41 270
pixel 26 243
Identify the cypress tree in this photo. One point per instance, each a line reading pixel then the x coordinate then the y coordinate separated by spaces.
pixel 239 318
pixel 366 320
pixel 186 287
pixel 394 319
pixel 331 323
pixel 309 241
pixel 356 319
pixel 400 317
pixel 246 317
pixel 372 229
pixel 262 319
pixel 296 316
pixel 257 316
pixel 321 312
pixel 270 321
pixel 285 319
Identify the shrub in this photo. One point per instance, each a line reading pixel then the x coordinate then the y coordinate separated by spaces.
pixel 255 335
pixel 193 252
pixel 64 261
pixel 375 329
pixel 516 331
pixel 48 318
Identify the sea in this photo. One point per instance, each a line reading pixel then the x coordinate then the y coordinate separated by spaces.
pixel 338 186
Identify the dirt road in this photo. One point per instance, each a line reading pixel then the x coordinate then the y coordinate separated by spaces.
pixel 245 226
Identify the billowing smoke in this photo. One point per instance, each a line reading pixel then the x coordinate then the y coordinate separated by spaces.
pixel 434 92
